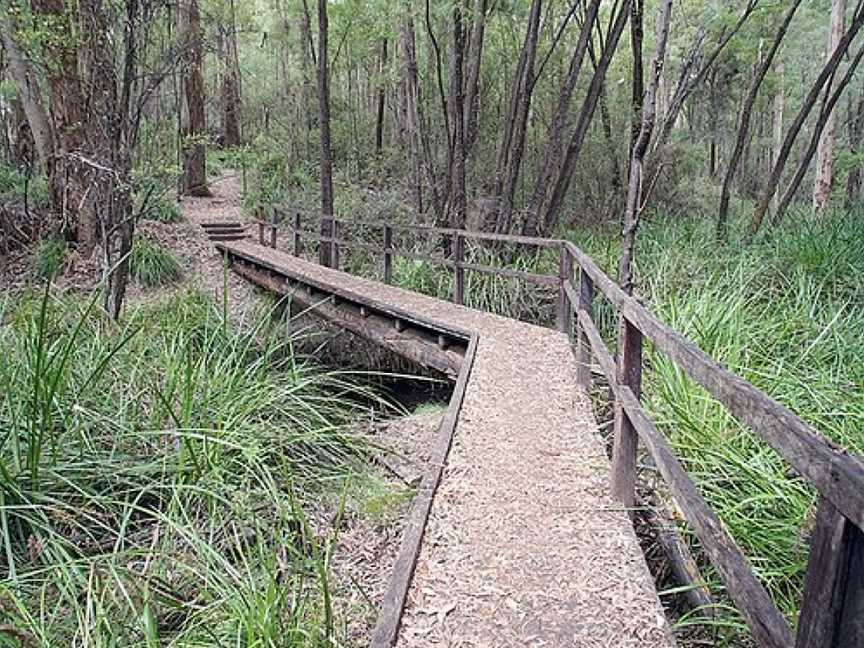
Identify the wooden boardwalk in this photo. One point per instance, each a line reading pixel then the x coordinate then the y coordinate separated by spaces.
pixel 524 544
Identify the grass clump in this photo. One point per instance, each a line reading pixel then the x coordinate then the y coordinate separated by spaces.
pixel 162 209
pixel 50 256
pixel 155 478
pixel 152 265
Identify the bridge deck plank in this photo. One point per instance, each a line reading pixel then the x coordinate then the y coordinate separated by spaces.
pixel 525 545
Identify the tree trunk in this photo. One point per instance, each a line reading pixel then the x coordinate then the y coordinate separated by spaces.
pixel 777 121
pixel 472 87
pixel 457 218
pixel 827 71
pixel 818 131
pixel 744 121
pixel 379 121
pixel 193 129
pixel 553 149
pixel 69 180
pixel 231 95
pixel 517 129
pixel 574 149
pixel 637 18
pixel 324 256
pixel 632 214
pixel 27 83
pixel 825 152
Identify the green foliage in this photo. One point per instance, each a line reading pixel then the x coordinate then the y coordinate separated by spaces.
pixel 50 256
pixel 155 478
pixel 161 208
pixel 153 265
pixel 16 184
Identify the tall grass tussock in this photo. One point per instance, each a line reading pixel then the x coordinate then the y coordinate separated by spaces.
pixel 154 478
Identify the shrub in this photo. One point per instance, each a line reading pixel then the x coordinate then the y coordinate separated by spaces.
pixel 152 265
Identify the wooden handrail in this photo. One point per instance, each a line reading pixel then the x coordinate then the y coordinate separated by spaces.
pixel 833 613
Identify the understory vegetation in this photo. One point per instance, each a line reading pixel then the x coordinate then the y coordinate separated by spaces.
pixel 164 481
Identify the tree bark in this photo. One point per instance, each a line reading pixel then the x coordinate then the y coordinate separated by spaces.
pixel 231 95
pixel 193 129
pixel 744 121
pixel 379 121
pixel 637 18
pixel 828 70
pixel 457 219
pixel 324 256
pixel 553 149
pixel 633 211
pixel 778 111
pixel 574 149
pixel 825 153
pixel 472 86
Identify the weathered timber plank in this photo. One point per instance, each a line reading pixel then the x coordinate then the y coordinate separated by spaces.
pixel 386 629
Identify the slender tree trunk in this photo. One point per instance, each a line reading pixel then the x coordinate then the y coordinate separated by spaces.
pixel 457 219
pixel 324 256
pixel 777 122
pixel 632 214
pixel 307 52
pixel 827 71
pixel 574 149
pixel 637 17
pixel 825 153
pixel 744 120
pixel 193 128
pixel 472 87
pixel 518 127
pixel 379 121
pixel 553 150
pixel 818 131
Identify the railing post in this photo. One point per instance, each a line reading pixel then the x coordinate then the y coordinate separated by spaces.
pixel 334 245
pixel 273 228
pixel 586 304
pixel 388 254
pixel 458 269
pixel 565 274
pixel 624 450
pixel 832 611
pixel 296 233
pixel 260 233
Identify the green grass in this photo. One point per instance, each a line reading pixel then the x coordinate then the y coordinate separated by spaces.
pixel 153 265
pixel 163 209
pixel 50 256
pixel 155 478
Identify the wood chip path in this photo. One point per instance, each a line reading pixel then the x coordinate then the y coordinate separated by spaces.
pixel 524 545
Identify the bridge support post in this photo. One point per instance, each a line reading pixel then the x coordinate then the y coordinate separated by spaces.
pixel 273 235
pixel 334 244
pixel 586 305
pixel 629 372
pixel 296 234
pixel 832 611
pixel 458 269
pixel 565 274
pixel 388 254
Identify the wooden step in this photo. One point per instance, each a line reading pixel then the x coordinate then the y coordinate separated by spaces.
pixel 222 225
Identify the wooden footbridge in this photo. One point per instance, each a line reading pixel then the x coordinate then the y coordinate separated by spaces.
pixel 520 534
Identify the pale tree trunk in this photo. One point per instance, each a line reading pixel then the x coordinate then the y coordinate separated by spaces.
pixel 27 83
pixel 744 120
pixel 553 150
pixel 777 121
pixel 324 256
pixel 828 70
pixel 825 152
pixel 472 87
pixel 193 127
pixel 70 178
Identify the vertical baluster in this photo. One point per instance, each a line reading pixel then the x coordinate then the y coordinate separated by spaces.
pixel 458 268
pixel 586 304
pixel 388 254
pixel 565 274
pixel 624 451
pixel 832 611
pixel 296 233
